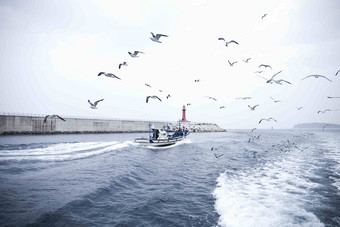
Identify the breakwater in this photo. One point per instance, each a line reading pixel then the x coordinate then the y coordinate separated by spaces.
pixel 34 124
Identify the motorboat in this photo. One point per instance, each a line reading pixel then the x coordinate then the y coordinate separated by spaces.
pixel 161 138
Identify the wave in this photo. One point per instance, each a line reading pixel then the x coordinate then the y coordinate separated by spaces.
pixel 62 152
pixel 272 195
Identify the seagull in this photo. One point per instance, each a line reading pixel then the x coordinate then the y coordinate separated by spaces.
pixel 188 104
pixel 323 128
pixel 211 98
pixel 257 137
pixel 122 64
pixel 213 148
pixel 253 129
pixel 134 54
pixel 148 85
pixel 267 119
pixel 272 78
pixel 244 98
pixel 337 72
pixel 324 111
pixel 258 72
pixel 275 100
pixel 168 96
pixel 247 60
pixel 299 108
pixel 153 97
pixel 160 90
pixel 197 80
pixel 221 107
pixel 53 116
pixel 264 15
pixel 232 63
pixel 228 42
pixel 218 156
pixel 111 75
pixel 266 66
pixel 301 149
pixel 332 97
pixel 253 107
pixel 317 76
pixel 156 37
pixel 94 105
pixel 280 81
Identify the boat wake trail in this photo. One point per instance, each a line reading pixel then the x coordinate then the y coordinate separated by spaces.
pixel 61 152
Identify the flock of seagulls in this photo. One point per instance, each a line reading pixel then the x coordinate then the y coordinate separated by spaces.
pixel 262 68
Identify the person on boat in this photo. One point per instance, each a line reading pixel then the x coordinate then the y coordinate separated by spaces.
pixel 157 133
pixel 186 131
pixel 176 134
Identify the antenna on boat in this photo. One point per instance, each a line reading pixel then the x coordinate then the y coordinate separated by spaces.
pixel 149 129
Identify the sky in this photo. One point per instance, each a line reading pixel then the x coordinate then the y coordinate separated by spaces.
pixel 52 51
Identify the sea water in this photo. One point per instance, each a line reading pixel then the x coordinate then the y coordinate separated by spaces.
pixel 283 178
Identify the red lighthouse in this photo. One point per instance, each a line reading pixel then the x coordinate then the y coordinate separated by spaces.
pixel 184 119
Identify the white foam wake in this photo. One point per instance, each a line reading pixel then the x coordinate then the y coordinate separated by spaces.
pixel 271 195
pixel 63 152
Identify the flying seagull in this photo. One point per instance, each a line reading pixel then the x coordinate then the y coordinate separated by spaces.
pixel 258 72
pixel 247 60
pixel 301 149
pixel 211 98
pixel 122 64
pixel 53 116
pixel 244 98
pixel 267 119
pixel 299 108
pixel 197 80
pixel 272 78
pixel 213 148
pixel 317 76
pixel 94 105
pixel 228 42
pixel 218 156
pixel 280 81
pixel 134 54
pixel 188 104
pixel 324 111
pixel 148 85
pixel 253 129
pixel 266 66
pixel 264 15
pixel 221 107
pixel 337 72
pixel 111 75
pixel 152 97
pixel 332 97
pixel 232 63
pixel 257 137
pixel 323 128
pixel 253 107
pixel 275 100
pixel 168 96
pixel 156 37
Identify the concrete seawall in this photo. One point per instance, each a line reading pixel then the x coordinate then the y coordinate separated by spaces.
pixel 16 124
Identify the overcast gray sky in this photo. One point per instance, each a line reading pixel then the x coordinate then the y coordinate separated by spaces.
pixel 52 51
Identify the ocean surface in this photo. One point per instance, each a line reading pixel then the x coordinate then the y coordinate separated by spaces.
pixel 260 178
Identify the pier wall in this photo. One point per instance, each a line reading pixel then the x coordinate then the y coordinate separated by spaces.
pixel 10 124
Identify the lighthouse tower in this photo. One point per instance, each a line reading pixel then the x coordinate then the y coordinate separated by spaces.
pixel 184 119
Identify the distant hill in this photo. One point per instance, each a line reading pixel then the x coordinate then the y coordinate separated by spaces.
pixel 316 125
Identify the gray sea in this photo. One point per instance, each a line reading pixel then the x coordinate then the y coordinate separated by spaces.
pixel 260 178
